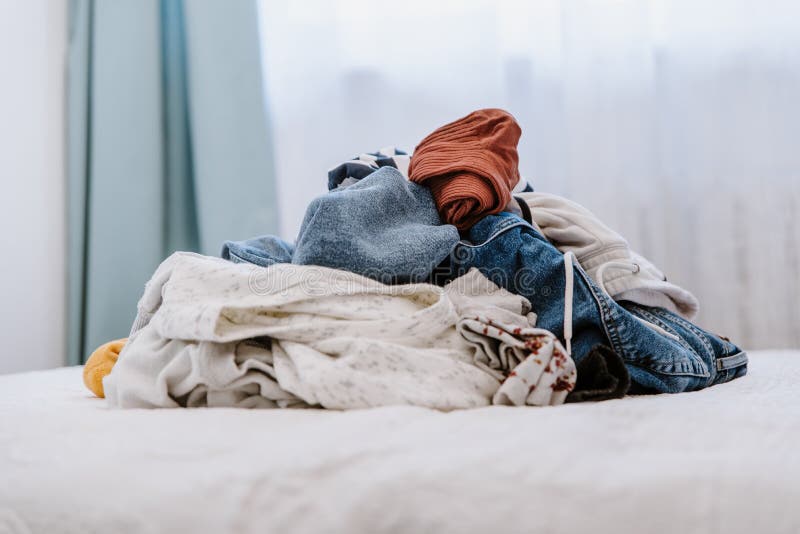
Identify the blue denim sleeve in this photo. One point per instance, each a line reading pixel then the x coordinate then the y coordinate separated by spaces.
pixel 264 251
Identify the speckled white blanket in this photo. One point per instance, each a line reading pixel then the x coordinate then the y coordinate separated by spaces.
pixel 213 333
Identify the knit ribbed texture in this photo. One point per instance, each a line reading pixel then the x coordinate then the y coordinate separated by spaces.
pixel 470 165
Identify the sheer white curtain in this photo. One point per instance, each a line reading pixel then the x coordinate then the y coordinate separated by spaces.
pixel 675 121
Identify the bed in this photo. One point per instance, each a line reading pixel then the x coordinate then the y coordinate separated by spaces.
pixel 725 459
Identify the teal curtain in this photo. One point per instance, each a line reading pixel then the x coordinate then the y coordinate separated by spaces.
pixel 169 147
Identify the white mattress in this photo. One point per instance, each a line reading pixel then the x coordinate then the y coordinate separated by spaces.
pixel 721 460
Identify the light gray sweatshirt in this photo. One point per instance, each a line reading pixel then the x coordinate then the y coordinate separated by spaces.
pixel 605 255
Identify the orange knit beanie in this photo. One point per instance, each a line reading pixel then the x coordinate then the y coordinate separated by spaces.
pixel 470 165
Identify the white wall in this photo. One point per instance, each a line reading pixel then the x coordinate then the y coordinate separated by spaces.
pixel 33 37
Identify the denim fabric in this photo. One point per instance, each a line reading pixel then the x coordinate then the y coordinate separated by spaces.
pixel 383 227
pixel 264 251
pixel 512 254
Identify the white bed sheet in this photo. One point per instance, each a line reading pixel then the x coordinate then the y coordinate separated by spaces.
pixel 720 460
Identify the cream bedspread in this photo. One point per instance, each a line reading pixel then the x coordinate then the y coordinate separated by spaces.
pixel 725 459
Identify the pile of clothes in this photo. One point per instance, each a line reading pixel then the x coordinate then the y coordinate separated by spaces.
pixel 439 279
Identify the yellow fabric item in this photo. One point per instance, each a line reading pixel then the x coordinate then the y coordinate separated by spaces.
pixel 100 364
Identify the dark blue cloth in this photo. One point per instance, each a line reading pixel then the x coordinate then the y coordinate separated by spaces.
pixel 264 251
pixel 363 165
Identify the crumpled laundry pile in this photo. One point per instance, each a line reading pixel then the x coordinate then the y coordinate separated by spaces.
pixel 439 279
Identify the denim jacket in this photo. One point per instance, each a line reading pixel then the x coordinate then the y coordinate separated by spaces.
pixel 662 351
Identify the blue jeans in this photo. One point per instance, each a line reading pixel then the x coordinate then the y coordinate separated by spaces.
pixel 512 254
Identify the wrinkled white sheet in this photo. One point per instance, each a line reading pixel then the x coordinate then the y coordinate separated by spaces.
pixel 722 460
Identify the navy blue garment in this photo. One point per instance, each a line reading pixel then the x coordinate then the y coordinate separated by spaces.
pixel 511 253
pixel 365 164
pixel 526 188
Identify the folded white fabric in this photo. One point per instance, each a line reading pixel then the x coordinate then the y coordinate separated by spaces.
pixel 605 255
pixel 214 333
pixel 543 372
